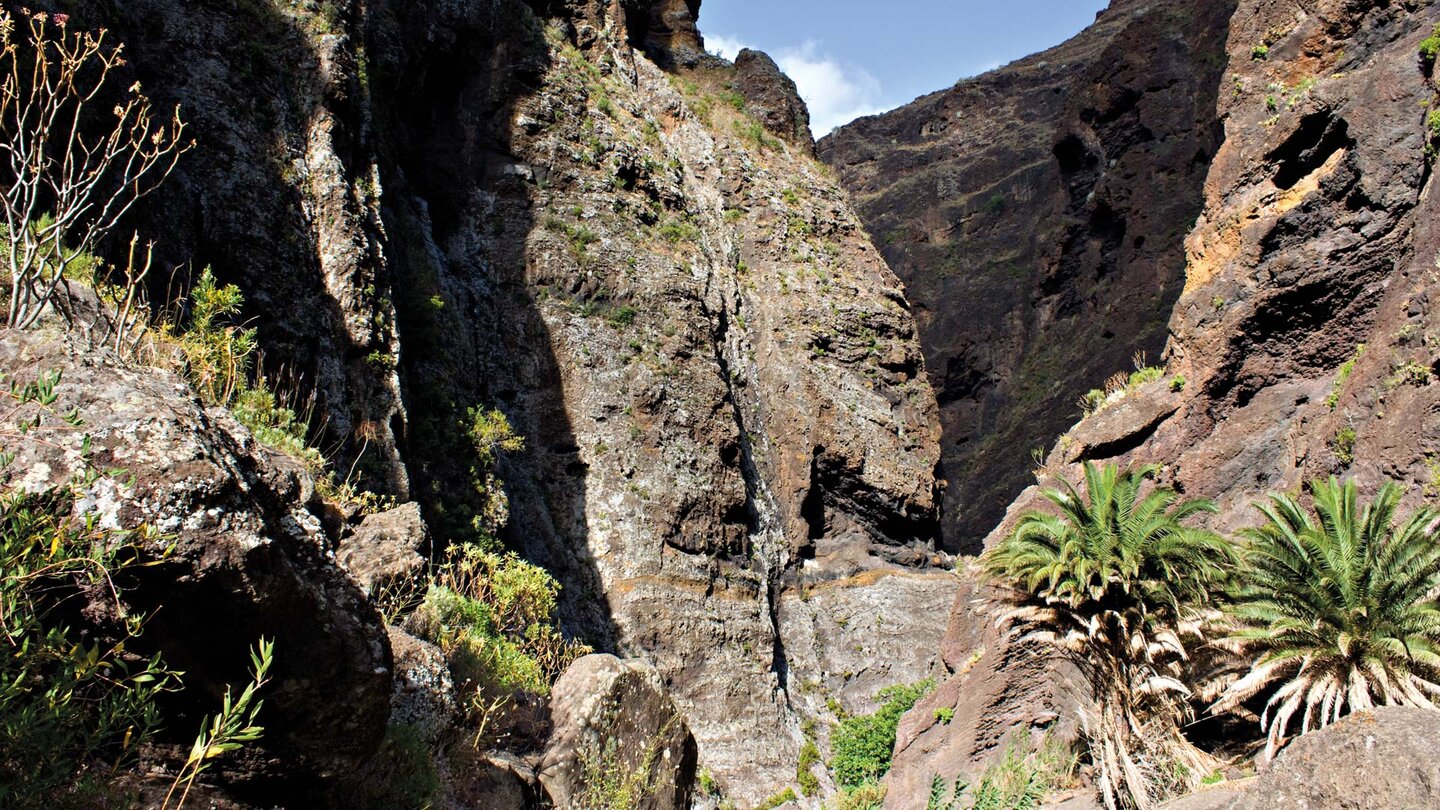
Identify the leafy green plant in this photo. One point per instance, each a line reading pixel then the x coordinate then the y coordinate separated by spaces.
pixel 74 708
pixel 1408 373
pixel 230 729
pixel 220 360
pixel 1016 782
pixel 774 801
pixel 1343 445
pixel 1112 582
pixel 680 232
pixel 861 747
pixel 1342 376
pixel 944 715
pixel 1120 384
pixel 804 769
pixel 494 616
pixel 753 133
pixel 1336 608
pixel 1430 48
pixel 1177 383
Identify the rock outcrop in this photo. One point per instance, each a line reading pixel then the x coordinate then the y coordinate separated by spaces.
pixel 249 560
pixel 1036 215
pixel 1301 343
pixel 1378 759
pixel 439 209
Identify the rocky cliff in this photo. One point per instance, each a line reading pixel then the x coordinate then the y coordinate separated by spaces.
pixel 730 439
pixel 1299 343
pixel 1037 216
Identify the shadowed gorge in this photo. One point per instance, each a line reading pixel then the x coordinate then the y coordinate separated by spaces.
pixel 1037 216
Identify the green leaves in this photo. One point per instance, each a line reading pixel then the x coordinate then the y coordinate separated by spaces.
pixel 862 746
pixel 1334 606
pixel 1115 580
pixel 231 729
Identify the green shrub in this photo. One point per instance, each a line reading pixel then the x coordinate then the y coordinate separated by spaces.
pixel 1343 445
pixel 1430 48
pixel 732 99
pixel 1146 374
pixel 869 796
pixel 1017 782
pixel 621 317
pixel 804 769
pixel 753 133
pixel 944 716
pixel 1346 369
pixel 1260 52
pixel 494 616
pixel 862 746
pixel 1177 383
pixel 786 795
pixel 678 231
pixel 220 363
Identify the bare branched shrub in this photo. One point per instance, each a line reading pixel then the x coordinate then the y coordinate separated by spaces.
pixel 69 169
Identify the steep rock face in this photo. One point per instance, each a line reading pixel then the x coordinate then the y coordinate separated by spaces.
pixel 1036 215
pixel 1317 236
pixel 443 206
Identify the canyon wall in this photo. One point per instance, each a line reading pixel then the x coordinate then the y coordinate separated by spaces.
pixel 1036 215
pixel 1301 344
pixel 437 207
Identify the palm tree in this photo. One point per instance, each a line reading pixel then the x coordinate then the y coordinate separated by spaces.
pixel 1337 610
pixel 1114 581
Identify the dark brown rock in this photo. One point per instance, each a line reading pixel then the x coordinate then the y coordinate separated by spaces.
pixel 423 695
pixel 772 98
pixel 383 552
pixel 1036 215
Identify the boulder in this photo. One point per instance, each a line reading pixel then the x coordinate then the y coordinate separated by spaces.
pixel 423 695
pixel 1368 761
pixel 245 560
pixel 613 718
pixel 383 552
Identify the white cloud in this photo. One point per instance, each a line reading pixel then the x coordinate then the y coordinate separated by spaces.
pixel 836 93
pixel 724 46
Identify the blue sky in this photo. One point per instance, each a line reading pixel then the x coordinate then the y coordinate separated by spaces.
pixel 858 57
